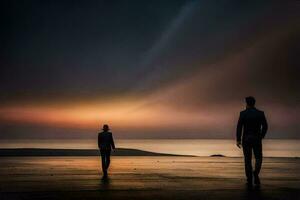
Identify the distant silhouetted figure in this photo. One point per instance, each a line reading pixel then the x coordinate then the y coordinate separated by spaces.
pixel 105 144
pixel 251 129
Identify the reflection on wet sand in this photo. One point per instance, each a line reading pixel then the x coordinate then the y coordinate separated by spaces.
pixel 145 178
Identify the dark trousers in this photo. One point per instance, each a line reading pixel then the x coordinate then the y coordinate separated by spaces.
pixel 256 147
pixel 105 158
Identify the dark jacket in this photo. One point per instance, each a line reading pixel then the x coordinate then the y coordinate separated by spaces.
pixel 252 125
pixel 106 141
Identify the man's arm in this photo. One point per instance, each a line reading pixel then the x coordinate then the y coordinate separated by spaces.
pixel 264 125
pixel 99 140
pixel 112 141
pixel 239 129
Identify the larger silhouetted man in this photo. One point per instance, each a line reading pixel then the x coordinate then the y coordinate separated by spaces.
pixel 105 144
pixel 251 129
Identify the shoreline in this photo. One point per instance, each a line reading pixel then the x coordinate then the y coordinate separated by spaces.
pixel 48 152
pixel 24 152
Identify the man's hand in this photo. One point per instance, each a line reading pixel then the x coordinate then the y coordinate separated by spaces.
pixel 239 144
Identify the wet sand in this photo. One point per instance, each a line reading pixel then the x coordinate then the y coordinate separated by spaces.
pixel 148 177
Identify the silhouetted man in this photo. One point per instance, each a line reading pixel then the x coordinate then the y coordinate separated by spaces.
pixel 251 129
pixel 105 144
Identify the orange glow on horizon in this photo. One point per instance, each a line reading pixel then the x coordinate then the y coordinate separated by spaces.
pixel 131 114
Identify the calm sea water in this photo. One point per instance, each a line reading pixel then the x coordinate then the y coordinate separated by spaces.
pixel 198 147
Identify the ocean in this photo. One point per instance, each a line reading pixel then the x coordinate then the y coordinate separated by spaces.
pixel 197 147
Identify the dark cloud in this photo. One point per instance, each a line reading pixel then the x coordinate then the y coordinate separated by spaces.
pixel 185 55
pixel 70 47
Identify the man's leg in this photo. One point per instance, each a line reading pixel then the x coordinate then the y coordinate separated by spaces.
pixel 247 150
pixel 103 159
pixel 107 159
pixel 106 155
pixel 257 149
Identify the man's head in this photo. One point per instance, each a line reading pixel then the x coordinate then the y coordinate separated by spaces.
pixel 250 101
pixel 105 127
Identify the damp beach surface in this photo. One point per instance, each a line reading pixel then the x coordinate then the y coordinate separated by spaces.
pixel 144 177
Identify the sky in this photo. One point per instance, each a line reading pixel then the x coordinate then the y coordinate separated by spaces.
pixel 149 69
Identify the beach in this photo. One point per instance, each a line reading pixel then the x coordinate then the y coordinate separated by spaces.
pixel 144 177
